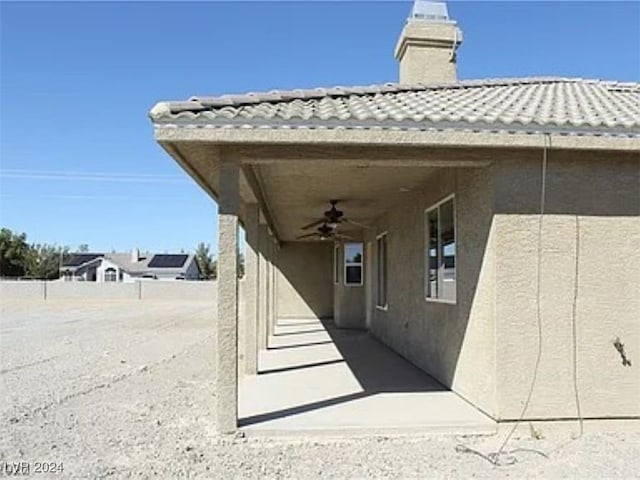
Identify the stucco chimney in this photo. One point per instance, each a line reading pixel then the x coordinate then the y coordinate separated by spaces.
pixel 135 255
pixel 426 49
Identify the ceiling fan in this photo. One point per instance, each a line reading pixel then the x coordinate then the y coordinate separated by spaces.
pixel 325 232
pixel 332 218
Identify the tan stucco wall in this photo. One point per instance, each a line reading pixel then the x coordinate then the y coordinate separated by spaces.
pixel 350 306
pixel 305 280
pixel 181 290
pixel 138 290
pixel 485 346
pixel 93 290
pixel 427 65
pixel 595 205
pixel 349 303
pixel 454 343
pixel 425 52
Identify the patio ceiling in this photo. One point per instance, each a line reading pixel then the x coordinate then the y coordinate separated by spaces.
pixel 298 195
pixel 295 183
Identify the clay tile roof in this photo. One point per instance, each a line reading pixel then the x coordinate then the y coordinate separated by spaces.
pixel 571 104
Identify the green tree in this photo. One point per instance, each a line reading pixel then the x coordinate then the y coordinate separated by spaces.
pixel 205 262
pixel 14 252
pixel 45 261
pixel 214 269
pixel 209 266
pixel 83 248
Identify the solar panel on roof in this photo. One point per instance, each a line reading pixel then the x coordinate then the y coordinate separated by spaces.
pixel 168 261
pixel 79 258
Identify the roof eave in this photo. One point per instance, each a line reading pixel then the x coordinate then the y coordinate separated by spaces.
pixel 442 134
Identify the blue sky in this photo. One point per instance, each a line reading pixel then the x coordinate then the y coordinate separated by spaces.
pixel 78 160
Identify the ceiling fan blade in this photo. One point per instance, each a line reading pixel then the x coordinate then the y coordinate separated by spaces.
pixel 343 237
pixel 307 236
pixel 313 224
pixel 357 224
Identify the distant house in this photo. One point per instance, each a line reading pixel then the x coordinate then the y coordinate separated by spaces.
pixel 128 267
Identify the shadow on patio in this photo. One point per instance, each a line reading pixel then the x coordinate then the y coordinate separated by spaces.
pixel 315 377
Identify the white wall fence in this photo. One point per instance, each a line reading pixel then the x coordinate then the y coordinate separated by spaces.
pixel 140 290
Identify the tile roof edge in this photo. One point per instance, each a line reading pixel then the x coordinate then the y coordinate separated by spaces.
pixel 192 121
pixel 203 103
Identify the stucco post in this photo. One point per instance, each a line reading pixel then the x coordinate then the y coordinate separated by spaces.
pixel 274 290
pixel 369 283
pixel 263 239
pixel 251 290
pixel 242 334
pixel 270 283
pixel 227 326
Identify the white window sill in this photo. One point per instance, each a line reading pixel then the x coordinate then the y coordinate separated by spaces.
pixel 440 300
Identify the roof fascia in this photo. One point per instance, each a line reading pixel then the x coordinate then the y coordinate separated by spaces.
pixel 392 137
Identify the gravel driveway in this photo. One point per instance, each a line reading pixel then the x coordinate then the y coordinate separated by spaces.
pixel 125 390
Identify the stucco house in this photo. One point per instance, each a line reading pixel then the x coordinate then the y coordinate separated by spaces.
pixel 129 267
pixel 483 229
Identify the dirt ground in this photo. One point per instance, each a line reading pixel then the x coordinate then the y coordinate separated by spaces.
pixel 125 390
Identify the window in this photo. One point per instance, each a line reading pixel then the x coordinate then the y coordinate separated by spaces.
pixel 381 292
pixel 110 275
pixel 353 264
pixel 440 278
pixel 336 264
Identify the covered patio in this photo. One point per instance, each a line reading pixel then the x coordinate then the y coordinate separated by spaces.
pixel 336 375
pixel 316 378
pixel 413 213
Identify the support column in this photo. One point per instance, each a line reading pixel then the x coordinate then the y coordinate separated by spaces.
pixel 274 282
pixel 271 283
pixel 251 291
pixel 369 283
pixel 263 239
pixel 227 326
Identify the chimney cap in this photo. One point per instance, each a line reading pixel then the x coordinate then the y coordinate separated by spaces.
pixel 429 11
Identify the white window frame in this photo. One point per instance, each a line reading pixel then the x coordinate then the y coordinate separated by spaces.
pixel 385 307
pixel 426 250
pixel 109 271
pixel 353 264
pixel 336 264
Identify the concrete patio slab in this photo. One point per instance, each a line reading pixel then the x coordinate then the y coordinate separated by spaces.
pixel 315 378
